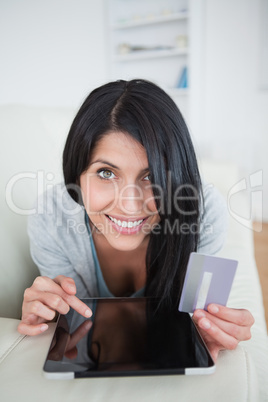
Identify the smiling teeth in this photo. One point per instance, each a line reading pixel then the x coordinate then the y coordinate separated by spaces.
pixel 125 224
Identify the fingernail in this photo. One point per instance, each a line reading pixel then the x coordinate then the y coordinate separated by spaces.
pixel 88 313
pixel 43 327
pixel 199 314
pixel 205 324
pixel 214 309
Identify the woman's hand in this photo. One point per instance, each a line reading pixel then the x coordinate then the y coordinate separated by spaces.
pixel 44 299
pixel 222 327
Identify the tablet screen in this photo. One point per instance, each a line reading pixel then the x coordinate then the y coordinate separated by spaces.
pixel 126 336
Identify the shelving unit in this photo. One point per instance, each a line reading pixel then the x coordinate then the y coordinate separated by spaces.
pixel 150 39
pixel 151 54
pixel 152 20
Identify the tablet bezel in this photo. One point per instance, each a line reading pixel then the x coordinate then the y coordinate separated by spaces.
pixel 57 372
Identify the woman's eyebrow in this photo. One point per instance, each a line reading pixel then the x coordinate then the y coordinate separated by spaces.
pixel 105 163
pixel 114 166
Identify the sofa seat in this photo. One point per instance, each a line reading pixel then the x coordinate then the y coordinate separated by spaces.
pixel 22 359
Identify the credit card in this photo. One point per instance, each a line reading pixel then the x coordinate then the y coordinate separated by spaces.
pixel 208 280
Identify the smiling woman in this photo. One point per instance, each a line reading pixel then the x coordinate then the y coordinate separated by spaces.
pixel 118 199
pixel 129 214
pixel 137 128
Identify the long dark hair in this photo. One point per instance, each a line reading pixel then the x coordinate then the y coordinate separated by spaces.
pixel 144 111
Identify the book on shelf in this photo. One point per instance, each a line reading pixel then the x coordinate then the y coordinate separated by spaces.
pixel 183 78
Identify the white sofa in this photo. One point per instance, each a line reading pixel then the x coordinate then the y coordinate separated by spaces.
pixel 32 142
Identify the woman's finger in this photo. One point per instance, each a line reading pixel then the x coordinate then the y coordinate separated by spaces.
pixel 45 297
pixel 54 301
pixel 241 317
pixel 70 299
pixel 235 322
pixel 37 309
pixel 66 283
pixel 31 330
pixel 44 284
pixel 239 332
pixel 78 306
pixel 217 334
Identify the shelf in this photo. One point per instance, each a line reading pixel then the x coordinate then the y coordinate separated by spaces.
pixel 156 47
pixel 175 92
pixel 151 54
pixel 154 20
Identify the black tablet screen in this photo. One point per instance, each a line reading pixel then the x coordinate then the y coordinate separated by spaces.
pixel 127 336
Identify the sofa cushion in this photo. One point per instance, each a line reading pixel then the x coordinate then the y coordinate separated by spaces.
pixel 31 149
pixel 234 380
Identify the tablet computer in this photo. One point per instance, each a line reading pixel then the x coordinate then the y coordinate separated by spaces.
pixel 126 337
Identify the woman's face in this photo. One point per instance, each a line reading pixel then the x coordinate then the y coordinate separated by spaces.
pixel 117 192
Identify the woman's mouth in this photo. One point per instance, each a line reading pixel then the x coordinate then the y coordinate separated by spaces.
pixel 126 226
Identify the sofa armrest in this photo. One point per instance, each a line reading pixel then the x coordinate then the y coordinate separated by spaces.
pixel 9 337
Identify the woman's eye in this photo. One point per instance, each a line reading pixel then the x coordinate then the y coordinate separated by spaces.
pixel 147 178
pixel 106 174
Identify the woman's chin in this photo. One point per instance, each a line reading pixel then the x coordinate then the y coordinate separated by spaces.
pixel 127 242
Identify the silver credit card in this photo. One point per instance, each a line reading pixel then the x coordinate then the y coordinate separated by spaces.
pixel 208 280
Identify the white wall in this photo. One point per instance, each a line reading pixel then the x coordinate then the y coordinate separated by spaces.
pixel 52 52
pixel 234 124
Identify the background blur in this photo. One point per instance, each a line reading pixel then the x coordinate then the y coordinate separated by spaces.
pixel 54 52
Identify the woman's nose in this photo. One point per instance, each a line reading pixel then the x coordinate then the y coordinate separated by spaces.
pixel 130 200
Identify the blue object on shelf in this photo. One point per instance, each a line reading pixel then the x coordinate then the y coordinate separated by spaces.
pixel 183 80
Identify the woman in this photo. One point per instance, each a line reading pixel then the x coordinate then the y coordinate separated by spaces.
pixel 131 211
